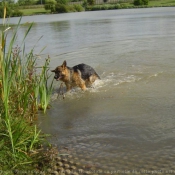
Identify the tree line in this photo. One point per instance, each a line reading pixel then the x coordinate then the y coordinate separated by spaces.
pixel 55 6
pixel 61 6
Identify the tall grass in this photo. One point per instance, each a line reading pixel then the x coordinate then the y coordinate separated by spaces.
pixel 23 90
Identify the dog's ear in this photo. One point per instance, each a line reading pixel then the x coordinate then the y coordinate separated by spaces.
pixel 64 64
pixel 52 70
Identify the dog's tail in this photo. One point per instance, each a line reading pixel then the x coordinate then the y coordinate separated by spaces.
pixel 97 76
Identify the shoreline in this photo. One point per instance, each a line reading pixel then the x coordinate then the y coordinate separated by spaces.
pixel 134 7
pixel 56 162
pixel 96 10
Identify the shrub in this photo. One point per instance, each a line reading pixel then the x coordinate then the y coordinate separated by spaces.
pixel 91 2
pixel 88 8
pixel 78 8
pixel 50 5
pixel 117 6
pixel 96 7
pixel 110 7
pixel 52 9
pixel 104 7
pixel 145 2
pixel 71 8
pixel 17 13
pixel 62 8
pixel 141 2
pixel 138 2
pixel 85 4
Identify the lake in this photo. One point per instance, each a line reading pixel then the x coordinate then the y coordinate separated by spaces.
pixel 126 122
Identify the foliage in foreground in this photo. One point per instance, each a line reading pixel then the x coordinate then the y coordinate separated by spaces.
pixel 22 92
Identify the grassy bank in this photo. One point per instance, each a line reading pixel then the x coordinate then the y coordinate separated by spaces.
pixel 105 6
pixel 155 3
pixel 159 3
pixel 23 92
pixel 34 11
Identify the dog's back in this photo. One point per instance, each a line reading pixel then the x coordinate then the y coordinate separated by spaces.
pixel 86 71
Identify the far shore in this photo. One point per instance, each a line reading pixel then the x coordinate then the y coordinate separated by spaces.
pixel 100 7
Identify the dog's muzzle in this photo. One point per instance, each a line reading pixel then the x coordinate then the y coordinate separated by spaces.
pixel 58 77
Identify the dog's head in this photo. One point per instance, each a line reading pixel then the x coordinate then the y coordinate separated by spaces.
pixel 60 71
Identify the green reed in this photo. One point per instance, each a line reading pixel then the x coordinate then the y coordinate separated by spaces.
pixel 43 89
pixel 24 89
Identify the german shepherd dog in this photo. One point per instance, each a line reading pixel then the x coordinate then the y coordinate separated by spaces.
pixel 81 75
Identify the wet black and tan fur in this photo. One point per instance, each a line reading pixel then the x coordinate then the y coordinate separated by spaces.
pixel 81 75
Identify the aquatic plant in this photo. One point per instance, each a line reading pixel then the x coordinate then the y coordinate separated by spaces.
pixel 23 90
